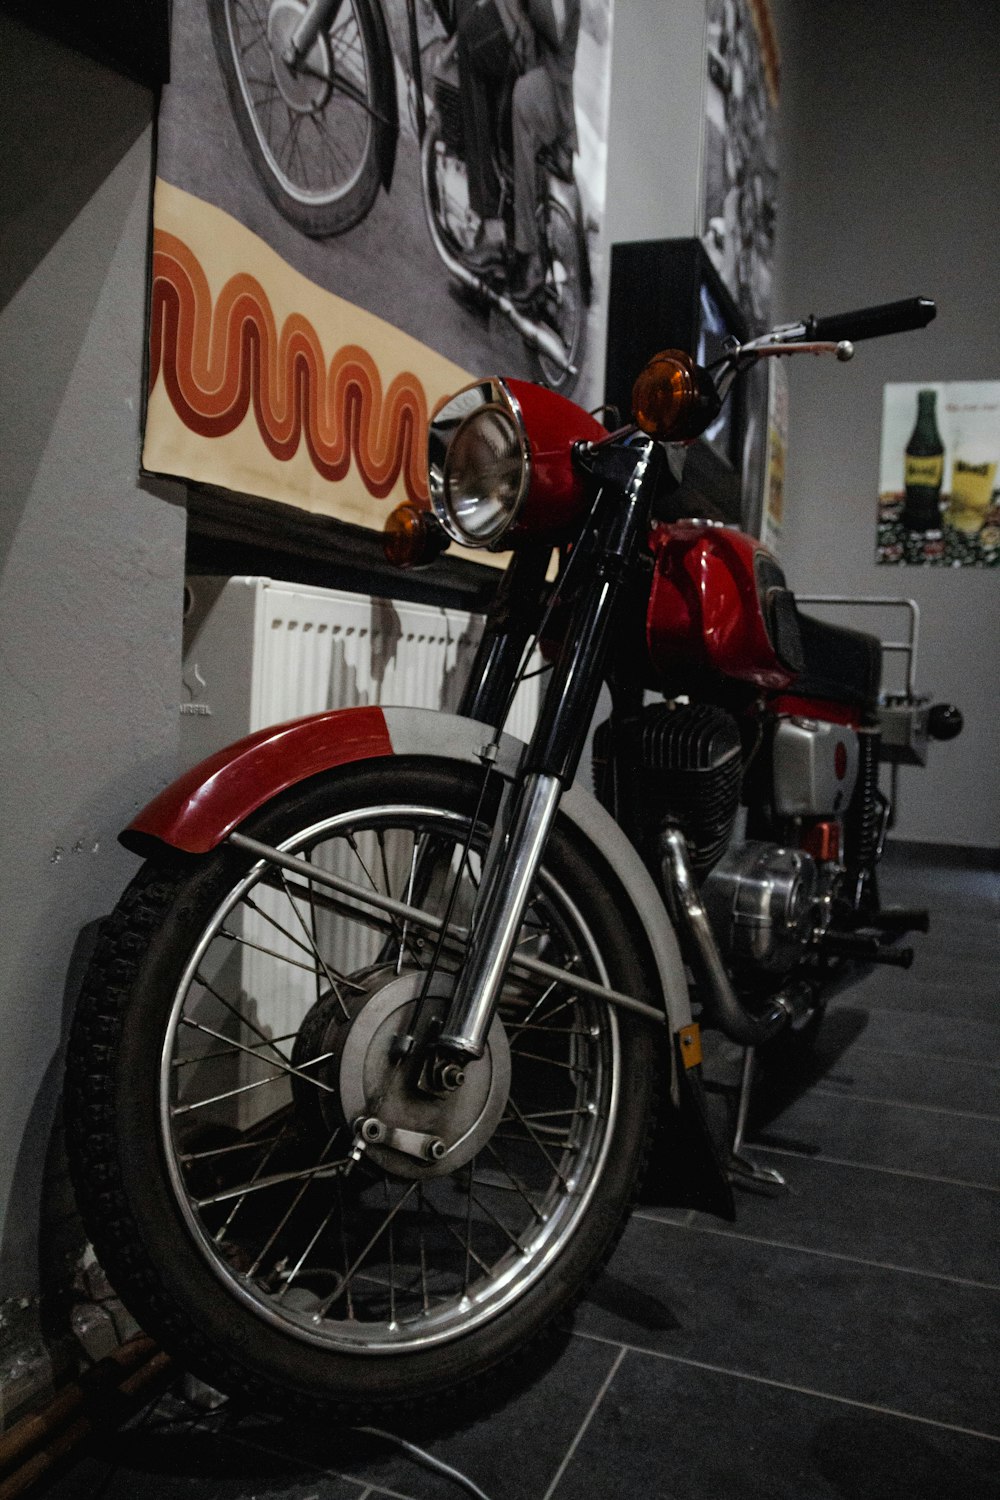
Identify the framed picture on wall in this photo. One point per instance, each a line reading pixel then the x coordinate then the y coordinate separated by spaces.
pixel 938 493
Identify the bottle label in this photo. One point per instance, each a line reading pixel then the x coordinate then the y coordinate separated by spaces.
pixel 926 472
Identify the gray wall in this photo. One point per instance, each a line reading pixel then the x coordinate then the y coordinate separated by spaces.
pixel 889 188
pixel 91 588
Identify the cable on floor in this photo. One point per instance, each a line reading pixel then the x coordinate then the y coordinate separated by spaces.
pixel 436 1465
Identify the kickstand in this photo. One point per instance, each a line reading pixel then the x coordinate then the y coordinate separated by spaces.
pixel 743 1172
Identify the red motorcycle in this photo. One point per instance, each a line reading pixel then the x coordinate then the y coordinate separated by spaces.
pixel 380 1042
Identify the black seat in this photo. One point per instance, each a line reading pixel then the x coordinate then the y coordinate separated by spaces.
pixel 840 664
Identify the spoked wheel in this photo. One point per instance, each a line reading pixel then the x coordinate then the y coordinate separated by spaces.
pixel 314 133
pixel 563 305
pixel 271 1185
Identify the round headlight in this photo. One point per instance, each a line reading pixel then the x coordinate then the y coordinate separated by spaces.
pixel 479 466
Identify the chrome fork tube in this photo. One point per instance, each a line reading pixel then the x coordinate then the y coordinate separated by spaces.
pixel 317 17
pixel 500 910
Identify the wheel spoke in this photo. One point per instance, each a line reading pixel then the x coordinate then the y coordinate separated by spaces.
pixel 551 1062
pixel 276 1179
pixel 227 1051
pixel 350 1274
pixel 335 987
pixel 518 1187
pixel 309 1176
pixel 242 1017
pixel 268 1156
pixel 533 1135
pixel 217 1151
pixel 255 1052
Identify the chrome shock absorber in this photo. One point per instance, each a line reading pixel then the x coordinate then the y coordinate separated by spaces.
pixel 865 824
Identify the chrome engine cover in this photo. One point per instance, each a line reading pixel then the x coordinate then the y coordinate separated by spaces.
pixel 762 902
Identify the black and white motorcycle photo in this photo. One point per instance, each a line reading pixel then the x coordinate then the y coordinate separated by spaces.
pixel 487 89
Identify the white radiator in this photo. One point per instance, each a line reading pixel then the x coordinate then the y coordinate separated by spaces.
pixel 258 652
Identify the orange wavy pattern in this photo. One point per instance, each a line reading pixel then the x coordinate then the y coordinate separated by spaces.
pixel 217 360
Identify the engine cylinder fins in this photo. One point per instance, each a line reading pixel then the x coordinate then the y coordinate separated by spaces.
pixel 691 768
pixel 447 103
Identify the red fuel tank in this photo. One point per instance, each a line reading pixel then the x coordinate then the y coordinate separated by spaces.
pixel 716 604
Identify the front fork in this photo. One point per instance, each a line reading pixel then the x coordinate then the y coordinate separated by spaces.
pixel 318 16
pixel 627 472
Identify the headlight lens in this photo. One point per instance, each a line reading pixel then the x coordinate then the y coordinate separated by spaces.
pixel 479 468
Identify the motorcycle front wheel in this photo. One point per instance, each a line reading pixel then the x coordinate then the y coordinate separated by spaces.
pixel 238 1034
pixel 314 134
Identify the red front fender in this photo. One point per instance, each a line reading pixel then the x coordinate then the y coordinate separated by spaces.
pixel 202 807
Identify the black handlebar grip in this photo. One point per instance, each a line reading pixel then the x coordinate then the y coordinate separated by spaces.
pixel 874 322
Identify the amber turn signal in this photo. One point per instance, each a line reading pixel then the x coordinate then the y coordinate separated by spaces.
pixel 412 538
pixel 674 399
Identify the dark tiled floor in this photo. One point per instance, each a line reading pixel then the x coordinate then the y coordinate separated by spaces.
pixel 836 1343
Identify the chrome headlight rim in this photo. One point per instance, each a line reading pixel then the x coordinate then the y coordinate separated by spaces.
pixel 491 393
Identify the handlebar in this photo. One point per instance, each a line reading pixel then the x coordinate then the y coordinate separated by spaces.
pixel 873 322
pixel 675 399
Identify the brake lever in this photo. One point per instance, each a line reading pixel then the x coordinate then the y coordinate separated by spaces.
pixel 782 341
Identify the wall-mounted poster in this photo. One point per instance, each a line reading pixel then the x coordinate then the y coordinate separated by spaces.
pixel 739 189
pixel 938 495
pixel 740 174
pixel 360 205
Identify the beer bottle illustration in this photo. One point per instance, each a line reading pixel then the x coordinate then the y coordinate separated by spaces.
pixel 924 468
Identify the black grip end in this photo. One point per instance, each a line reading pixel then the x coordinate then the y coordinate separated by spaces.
pixel 874 322
pixel 944 722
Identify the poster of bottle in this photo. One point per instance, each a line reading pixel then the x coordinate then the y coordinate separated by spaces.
pixel 360 206
pixel 938 495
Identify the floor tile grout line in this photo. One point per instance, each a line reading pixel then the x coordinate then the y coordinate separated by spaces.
pixel 373 1489
pixel 859 1049
pixel 870 1166
pixel 786 1385
pixel 567 1456
pixel 818 1092
pixel 854 1260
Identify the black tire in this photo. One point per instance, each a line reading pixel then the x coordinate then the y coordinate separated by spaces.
pixel 563 304
pixel 316 139
pixel 213 1295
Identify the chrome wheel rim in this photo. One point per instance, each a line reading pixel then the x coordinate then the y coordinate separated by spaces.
pixel 362 1260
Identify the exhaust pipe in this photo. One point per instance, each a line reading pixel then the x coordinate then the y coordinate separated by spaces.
pixel 721 1004
pixel 535 335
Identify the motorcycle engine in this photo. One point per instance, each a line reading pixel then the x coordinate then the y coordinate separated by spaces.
pixel 762 899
